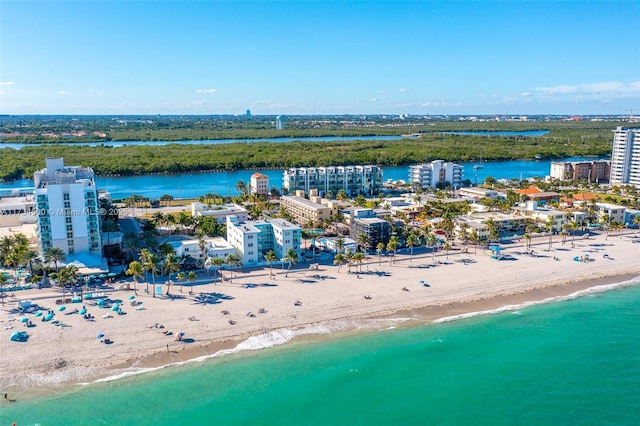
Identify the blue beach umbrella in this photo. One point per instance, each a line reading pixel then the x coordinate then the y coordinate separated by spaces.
pixel 38 314
pixel 99 336
pixel 131 297
pixel 62 308
pixel 24 319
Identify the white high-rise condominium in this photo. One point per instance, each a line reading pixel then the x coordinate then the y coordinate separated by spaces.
pixel 625 156
pixel 436 173
pixel 68 210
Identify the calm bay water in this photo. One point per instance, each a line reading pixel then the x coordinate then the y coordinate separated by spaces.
pixel 575 361
pixel 193 185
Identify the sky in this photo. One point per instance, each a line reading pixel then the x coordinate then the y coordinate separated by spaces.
pixel 319 57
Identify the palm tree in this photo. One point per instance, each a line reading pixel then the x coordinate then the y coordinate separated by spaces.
pixel 136 270
pixel 605 221
pixel 548 226
pixel 180 276
pixel 412 241
pixel 232 260
pixel 170 265
pixel 379 249
pixel 217 262
pixel 291 257
pixel 339 260
pixel 191 277
pixel 527 241
pixel 242 188
pixel 55 255
pixel 30 257
pixel 130 242
pixel 358 257
pixel 339 245
pixel 270 257
pixel 4 279
pixel 446 247
pixel 151 263
pixel 432 241
pixel 363 240
pixel 349 258
pixel 392 245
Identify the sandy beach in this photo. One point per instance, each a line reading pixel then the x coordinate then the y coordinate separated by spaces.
pixel 414 289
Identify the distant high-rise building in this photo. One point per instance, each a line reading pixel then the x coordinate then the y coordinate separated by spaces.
pixel 625 156
pixel 248 113
pixel 438 172
pixel 279 122
pixel 68 210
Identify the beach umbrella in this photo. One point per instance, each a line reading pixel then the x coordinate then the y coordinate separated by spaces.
pixel 111 274
pixel 131 297
pixel 24 319
pixel 62 308
pixel 101 302
pixel 102 276
pixel 99 336
pixel 421 282
pixel 115 307
pixel 38 314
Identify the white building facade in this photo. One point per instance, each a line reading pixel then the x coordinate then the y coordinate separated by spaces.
pixel 259 184
pixel 353 180
pixel 436 173
pixel 253 239
pixel 67 208
pixel 625 156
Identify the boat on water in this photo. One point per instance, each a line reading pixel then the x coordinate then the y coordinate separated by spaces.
pixel 412 135
pixel 478 166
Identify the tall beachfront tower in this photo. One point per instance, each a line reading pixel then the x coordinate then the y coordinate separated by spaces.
pixel 625 156
pixel 279 122
pixel 68 210
pixel 438 172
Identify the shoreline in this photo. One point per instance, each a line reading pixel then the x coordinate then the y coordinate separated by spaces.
pixel 332 305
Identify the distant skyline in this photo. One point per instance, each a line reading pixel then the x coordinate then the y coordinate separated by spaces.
pixel 330 57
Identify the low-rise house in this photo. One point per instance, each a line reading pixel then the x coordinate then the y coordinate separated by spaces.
pixel 219 211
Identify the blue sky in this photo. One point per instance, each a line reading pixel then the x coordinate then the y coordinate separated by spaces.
pixel 330 57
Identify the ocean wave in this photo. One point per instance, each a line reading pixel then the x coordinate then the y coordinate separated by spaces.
pixel 269 340
pixel 514 308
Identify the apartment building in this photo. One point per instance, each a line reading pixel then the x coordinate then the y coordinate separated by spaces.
pixel 353 180
pixel 591 171
pixel 259 184
pixel 625 156
pixel 67 209
pixel 219 211
pixel 303 210
pixel 436 173
pixel 253 239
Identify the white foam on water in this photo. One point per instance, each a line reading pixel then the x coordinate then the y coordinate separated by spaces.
pixel 515 308
pixel 271 339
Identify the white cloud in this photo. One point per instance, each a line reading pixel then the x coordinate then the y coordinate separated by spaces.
pixel 374 99
pixel 403 90
pixel 525 94
pixel 63 92
pixel 612 89
pixel 7 83
pixel 206 91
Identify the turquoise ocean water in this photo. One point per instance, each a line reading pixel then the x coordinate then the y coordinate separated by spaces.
pixel 564 362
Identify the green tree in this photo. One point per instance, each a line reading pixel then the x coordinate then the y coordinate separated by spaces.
pixel 270 257
pixel 412 241
pixel 55 255
pixel 135 270
pixel 291 257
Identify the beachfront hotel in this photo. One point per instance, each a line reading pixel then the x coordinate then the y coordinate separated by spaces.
pixel 625 157
pixel 253 239
pixel 436 173
pixel 354 180
pixel 67 209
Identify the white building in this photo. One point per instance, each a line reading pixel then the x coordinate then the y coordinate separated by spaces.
pixel 303 210
pixel 67 208
pixel 219 211
pixel 625 156
pixel 279 122
pixel 215 247
pixel 259 184
pixel 436 173
pixel 615 213
pixel 253 239
pixel 353 180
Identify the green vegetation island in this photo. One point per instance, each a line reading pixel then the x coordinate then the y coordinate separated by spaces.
pixel 65 135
